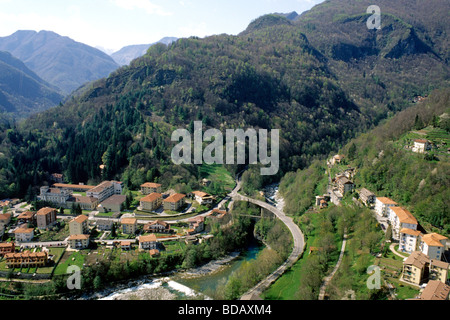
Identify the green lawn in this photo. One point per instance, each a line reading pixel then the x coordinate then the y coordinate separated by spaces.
pixel 69 259
pixel 218 174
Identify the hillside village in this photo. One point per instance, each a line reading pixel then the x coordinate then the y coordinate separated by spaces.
pixel 425 255
pixel 97 218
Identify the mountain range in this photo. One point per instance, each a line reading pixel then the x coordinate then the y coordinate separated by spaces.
pixel 59 60
pixel 125 55
pixel 322 78
pixel 23 92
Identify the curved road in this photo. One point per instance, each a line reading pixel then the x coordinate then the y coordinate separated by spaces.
pixel 299 240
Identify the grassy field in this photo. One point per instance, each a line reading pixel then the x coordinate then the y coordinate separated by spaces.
pixel 69 259
pixel 285 288
pixel 218 174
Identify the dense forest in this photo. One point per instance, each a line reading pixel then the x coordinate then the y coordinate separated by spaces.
pixel 276 75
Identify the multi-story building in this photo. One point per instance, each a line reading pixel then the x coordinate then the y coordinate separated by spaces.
pixel 58 197
pixel 382 205
pixel 79 225
pixel 409 240
pixel 78 241
pixel 157 227
pixel 27 217
pixel 104 224
pixel 367 197
pixel 415 267
pixel 26 259
pixel 151 202
pixel 196 225
pixel 149 242
pixel 24 234
pixel 344 185
pixel 115 203
pixel 174 202
pixel 419 268
pixel 400 218
pixel 86 203
pixel 150 187
pixel 5 219
pixel 45 217
pixel 105 190
pixel 435 290
pixel 7 247
pixel 433 245
pixel 203 197
pixel 438 270
pixel 129 225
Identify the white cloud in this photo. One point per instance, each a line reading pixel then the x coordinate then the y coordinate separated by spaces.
pixel 145 5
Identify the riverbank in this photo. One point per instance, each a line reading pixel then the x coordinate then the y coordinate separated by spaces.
pixel 163 287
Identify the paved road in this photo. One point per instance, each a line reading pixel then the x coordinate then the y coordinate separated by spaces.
pixel 299 240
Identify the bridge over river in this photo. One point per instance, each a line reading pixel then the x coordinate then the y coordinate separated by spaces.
pixel 298 237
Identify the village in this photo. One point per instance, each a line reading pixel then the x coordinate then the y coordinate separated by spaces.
pixel 92 219
pixel 425 256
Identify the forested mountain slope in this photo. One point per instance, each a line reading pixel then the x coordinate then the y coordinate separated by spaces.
pixel 387 166
pixel 22 92
pixel 277 74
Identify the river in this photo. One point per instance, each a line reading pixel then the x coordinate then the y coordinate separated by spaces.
pixel 192 284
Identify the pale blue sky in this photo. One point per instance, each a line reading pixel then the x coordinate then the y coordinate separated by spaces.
pixel 112 24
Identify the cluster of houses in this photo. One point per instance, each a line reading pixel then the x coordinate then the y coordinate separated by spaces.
pixel 103 195
pixel 154 199
pixel 425 265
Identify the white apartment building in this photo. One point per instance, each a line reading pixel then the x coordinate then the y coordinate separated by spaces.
pixel 433 245
pixel 382 205
pixel 105 190
pixel 400 218
pixel 409 240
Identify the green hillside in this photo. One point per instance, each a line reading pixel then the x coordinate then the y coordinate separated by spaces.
pixel 387 166
pixel 278 74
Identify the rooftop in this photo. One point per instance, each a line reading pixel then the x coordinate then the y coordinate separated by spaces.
pixel 385 200
pixel 26 215
pixel 115 199
pixel 73 186
pixel 417 259
pixel 149 238
pixel 175 197
pixel 152 197
pixel 80 219
pixel 435 290
pixel 411 232
pixel 151 185
pixel 433 239
pixel 45 211
pixel 128 221
pixel 79 237
pixel 24 230
pixel 404 215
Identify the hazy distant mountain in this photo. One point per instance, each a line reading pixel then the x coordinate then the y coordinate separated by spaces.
pixel 58 60
pixel 127 54
pixel 22 92
pixel 290 16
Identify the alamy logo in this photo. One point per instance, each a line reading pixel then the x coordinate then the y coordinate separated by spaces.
pixel 374 21
pixel 235 139
pixel 374 281
pixel 74 281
